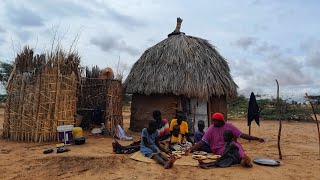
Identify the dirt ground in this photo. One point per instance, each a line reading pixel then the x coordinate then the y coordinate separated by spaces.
pixel 95 160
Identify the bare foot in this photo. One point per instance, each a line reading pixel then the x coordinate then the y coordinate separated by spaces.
pixel 169 164
pixel 172 160
pixel 200 161
pixel 246 161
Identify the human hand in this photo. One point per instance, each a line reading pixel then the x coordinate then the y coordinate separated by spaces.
pixel 154 150
pixel 187 151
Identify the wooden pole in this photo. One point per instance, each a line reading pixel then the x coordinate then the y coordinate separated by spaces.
pixel 315 116
pixel 250 131
pixel 280 123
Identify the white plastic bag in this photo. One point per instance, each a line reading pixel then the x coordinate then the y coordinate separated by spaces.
pixel 121 134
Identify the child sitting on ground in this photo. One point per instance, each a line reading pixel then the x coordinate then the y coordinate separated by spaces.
pixel 176 139
pixel 178 142
pixel 198 136
pixel 230 155
pixel 150 146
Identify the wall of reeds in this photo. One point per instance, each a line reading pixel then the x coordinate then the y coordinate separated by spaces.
pixel 103 93
pixel 42 94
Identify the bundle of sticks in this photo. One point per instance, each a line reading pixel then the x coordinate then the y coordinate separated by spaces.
pixel 41 95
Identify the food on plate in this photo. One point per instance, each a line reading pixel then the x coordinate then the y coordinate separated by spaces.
pixel 178 152
pixel 213 157
pixel 200 153
pixel 199 157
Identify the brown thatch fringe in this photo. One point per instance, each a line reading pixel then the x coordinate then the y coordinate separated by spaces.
pixel 182 65
pixel 41 95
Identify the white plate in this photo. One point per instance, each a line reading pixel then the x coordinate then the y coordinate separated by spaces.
pixel 200 153
pixel 199 157
pixel 213 157
pixel 178 152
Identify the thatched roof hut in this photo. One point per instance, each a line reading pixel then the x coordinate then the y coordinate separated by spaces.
pixel 181 72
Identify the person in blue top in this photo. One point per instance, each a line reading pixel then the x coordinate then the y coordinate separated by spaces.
pixel 150 146
pixel 198 136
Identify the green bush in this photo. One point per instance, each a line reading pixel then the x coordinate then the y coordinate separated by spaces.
pixel 271 109
pixel 3 98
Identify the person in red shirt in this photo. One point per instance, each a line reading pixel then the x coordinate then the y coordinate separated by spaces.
pixel 163 125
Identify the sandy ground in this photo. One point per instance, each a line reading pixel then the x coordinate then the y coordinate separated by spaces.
pixel 94 160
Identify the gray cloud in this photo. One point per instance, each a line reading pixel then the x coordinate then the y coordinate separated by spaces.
pixel 21 16
pixel 310 45
pixel 277 63
pixel 63 8
pixel 258 46
pixel 2 41
pixel 24 35
pixel 313 59
pixel 288 70
pixel 110 44
pixel 266 48
pixel 123 19
pixel 2 30
pixel 246 42
pixel 312 50
pixel 242 67
pixel 256 2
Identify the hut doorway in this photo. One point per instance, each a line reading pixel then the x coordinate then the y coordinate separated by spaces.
pixel 195 110
pixel 199 112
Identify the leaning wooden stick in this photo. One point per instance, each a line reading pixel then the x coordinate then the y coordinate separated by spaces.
pixel 249 130
pixel 315 116
pixel 280 123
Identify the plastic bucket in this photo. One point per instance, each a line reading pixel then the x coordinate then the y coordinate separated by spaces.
pixel 77 132
pixel 65 134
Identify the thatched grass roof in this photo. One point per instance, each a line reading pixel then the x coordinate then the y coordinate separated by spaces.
pixel 181 65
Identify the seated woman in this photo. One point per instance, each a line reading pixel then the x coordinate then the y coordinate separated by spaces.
pixel 150 146
pixel 214 137
pixel 183 125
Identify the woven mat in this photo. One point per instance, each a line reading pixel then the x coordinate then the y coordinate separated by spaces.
pixel 183 161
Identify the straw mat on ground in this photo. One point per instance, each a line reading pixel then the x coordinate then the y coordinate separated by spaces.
pixel 183 161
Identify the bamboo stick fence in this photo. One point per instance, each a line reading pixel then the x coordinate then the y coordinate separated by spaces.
pixel 105 93
pixel 42 94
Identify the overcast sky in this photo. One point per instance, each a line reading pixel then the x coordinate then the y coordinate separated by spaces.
pixel 261 40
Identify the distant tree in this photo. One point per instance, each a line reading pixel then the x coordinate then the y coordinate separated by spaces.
pixel 291 111
pixel 5 71
pixel 237 106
